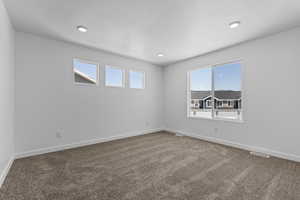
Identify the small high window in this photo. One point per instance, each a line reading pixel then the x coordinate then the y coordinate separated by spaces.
pixel 136 79
pixel 114 77
pixel 85 72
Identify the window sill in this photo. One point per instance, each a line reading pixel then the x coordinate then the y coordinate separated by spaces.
pixel 218 119
pixel 86 84
pixel 114 86
pixel 137 88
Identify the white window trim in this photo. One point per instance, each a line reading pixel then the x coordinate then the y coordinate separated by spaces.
pixel 144 79
pixel 88 62
pixel 242 120
pixel 123 76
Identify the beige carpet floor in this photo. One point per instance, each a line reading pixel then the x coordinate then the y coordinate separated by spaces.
pixel 156 166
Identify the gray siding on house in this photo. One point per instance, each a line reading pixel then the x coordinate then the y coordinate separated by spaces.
pixel 224 99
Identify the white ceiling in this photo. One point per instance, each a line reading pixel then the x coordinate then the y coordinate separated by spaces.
pixel 142 28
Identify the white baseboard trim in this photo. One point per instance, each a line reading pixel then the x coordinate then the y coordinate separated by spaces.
pixel 82 143
pixel 5 171
pixel 239 145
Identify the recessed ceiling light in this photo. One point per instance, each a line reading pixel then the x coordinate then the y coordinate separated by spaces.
pixel 160 55
pixel 234 24
pixel 82 29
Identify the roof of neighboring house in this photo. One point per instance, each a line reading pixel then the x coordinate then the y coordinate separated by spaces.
pixel 199 94
pixel 220 94
pixel 81 77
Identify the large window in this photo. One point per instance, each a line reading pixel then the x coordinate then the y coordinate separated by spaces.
pixel 136 79
pixel 215 92
pixel 114 77
pixel 85 72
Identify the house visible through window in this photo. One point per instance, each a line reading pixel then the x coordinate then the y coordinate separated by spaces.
pixel 136 79
pixel 218 91
pixel 200 92
pixel 85 72
pixel 114 77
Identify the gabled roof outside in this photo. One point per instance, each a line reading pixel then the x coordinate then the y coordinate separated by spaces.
pixel 220 94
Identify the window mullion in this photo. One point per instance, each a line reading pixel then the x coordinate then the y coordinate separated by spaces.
pixel 213 91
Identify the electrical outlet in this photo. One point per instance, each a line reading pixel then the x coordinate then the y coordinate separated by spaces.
pixel 215 132
pixel 58 134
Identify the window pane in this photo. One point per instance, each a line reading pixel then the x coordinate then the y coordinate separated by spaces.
pixel 85 72
pixel 136 79
pixel 113 77
pixel 228 95
pixel 200 93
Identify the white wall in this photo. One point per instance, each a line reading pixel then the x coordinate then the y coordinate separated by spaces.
pixel 7 54
pixel 47 100
pixel 270 90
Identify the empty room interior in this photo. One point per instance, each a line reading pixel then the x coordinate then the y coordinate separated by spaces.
pixel 149 100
